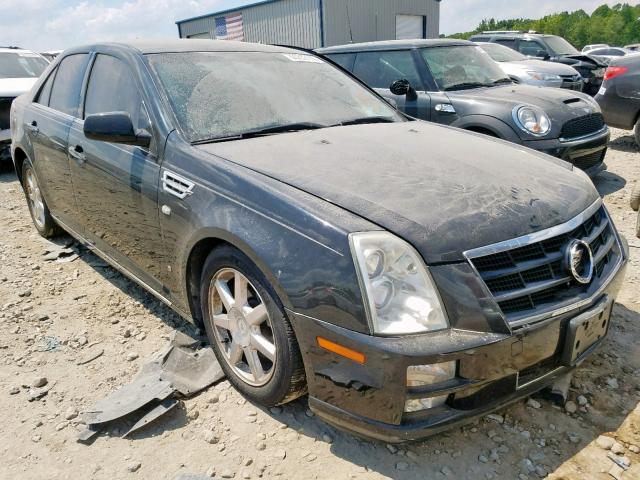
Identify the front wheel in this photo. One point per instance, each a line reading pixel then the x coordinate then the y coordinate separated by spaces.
pixel 249 330
pixel 42 219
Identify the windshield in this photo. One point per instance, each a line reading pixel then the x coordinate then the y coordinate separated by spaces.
pixel 21 65
pixel 500 53
pixel 216 95
pixel 463 66
pixel 560 46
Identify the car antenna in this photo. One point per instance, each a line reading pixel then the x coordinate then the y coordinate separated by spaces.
pixel 349 22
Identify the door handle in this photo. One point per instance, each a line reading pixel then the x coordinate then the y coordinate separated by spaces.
pixel 33 127
pixel 77 153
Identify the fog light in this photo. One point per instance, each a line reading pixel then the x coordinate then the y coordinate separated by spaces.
pixel 417 404
pixel 421 375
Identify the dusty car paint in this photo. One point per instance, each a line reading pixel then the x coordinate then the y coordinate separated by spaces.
pixel 290 202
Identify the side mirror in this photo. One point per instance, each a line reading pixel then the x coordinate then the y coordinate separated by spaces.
pixel 542 54
pixel 403 87
pixel 115 127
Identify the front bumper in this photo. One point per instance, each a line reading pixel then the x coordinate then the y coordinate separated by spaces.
pixel 586 153
pixel 493 370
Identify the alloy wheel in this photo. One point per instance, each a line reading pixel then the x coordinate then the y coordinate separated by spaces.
pixel 242 327
pixel 35 198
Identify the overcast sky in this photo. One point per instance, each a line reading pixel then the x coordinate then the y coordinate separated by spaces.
pixel 57 24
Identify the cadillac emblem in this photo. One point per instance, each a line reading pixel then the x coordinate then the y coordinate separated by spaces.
pixel 579 261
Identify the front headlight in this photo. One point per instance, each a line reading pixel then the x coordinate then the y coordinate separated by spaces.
pixel 532 120
pixel 398 289
pixel 544 77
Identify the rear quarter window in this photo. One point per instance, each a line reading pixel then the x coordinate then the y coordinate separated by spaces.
pixel 65 93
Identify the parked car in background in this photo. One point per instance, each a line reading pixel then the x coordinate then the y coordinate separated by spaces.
pixel 634 47
pixel 454 82
pixel 327 242
pixel 522 69
pixel 610 53
pixel 619 97
pixel 551 48
pixel 19 70
pixel 586 48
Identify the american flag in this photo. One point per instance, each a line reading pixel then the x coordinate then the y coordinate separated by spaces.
pixel 230 27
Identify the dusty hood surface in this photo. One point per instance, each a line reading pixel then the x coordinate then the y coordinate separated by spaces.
pixel 13 87
pixel 443 190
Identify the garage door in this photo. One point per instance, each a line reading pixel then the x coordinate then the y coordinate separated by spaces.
pixel 410 26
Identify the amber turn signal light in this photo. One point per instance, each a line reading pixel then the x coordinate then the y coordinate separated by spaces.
pixel 342 351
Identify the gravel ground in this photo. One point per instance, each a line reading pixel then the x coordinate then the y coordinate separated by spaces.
pixel 56 314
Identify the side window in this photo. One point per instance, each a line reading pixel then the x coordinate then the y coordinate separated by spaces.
pixel 345 60
pixel 381 69
pixel 507 42
pixel 65 93
pixel 45 91
pixel 112 89
pixel 530 47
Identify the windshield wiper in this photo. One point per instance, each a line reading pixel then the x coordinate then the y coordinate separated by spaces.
pixel 292 127
pixel 365 120
pixel 504 80
pixel 465 85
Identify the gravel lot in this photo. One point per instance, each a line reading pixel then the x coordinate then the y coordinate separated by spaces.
pixel 56 314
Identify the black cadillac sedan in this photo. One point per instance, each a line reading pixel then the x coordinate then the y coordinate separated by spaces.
pixel 409 276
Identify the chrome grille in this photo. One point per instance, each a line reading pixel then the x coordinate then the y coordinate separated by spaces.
pixel 531 278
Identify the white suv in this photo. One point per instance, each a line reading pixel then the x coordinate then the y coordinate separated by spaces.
pixel 19 70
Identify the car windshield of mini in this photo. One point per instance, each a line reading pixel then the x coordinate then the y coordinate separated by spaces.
pixel 219 96
pixel 21 65
pixel 463 67
pixel 560 46
pixel 500 53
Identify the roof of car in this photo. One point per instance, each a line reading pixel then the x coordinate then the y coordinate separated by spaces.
pixel 393 45
pixel 511 34
pixel 14 50
pixel 188 45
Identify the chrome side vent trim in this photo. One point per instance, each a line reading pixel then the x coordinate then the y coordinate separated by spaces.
pixel 175 185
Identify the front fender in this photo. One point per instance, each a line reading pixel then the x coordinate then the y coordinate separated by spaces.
pixel 485 122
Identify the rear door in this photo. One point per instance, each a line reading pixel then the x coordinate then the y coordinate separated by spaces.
pixel 48 120
pixel 379 69
pixel 117 185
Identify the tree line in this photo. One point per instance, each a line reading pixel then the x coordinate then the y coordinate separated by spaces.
pixel 617 25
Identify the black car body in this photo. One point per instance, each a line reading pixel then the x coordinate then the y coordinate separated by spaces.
pixel 619 96
pixel 421 268
pixel 553 49
pixel 577 131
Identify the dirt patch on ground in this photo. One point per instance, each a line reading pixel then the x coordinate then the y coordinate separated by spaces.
pixel 56 314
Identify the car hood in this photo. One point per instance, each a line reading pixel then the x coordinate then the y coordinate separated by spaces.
pixel 13 87
pixel 539 66
pixel 560 105
pixel 585 61
pixel 443 190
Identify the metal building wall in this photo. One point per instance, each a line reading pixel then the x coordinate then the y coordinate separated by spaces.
pixel 370 20
pixel 292 22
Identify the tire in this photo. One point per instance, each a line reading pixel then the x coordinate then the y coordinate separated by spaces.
pixel 40 214
pixel 635 197
pixel 237 338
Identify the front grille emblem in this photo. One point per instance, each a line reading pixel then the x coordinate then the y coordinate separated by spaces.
pixel 579 261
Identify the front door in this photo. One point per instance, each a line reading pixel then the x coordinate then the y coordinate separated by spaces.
pixel 117 185
pixel 47 121
pixel 380 69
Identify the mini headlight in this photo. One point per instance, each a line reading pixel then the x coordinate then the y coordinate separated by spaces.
pixel 399 292
pixel 532 120
pixel 544 77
